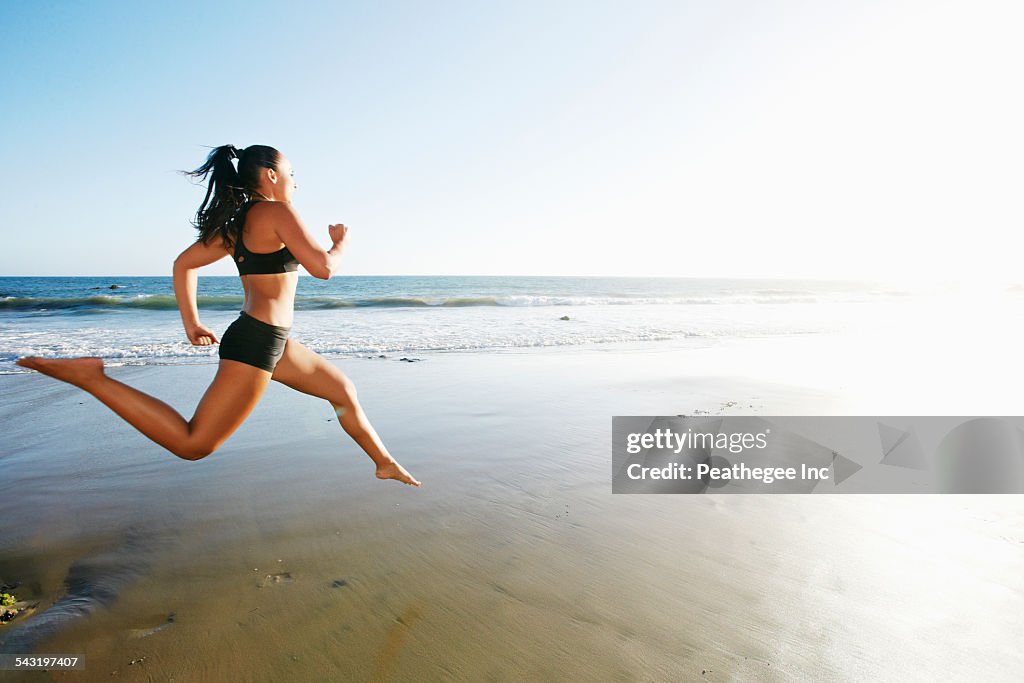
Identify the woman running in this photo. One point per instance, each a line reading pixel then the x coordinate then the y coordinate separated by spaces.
pixel 247 213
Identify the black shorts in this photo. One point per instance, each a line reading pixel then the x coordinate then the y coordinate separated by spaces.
pixel 254 342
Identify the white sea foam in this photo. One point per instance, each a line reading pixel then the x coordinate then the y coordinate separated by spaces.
pixel 157 337
pixel 373 316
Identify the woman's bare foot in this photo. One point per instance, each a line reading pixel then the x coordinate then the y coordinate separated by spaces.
pixel 393 470
pixel 77 371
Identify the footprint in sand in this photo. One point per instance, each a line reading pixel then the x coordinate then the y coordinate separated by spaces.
pixel 145 632
pixel 272 579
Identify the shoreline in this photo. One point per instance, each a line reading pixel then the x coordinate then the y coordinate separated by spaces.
pixel 674 344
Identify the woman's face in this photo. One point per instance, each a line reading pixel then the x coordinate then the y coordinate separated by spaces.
pixel 285 185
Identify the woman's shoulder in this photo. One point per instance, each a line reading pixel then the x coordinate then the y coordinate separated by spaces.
pixel 270 208
pixel 267 222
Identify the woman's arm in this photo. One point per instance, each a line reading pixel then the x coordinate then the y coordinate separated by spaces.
pixel 186 267
pixel 318 262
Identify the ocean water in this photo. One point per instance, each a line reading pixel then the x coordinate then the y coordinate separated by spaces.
pixel 134 320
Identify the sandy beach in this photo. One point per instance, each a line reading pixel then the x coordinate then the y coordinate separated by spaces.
pixel 280 557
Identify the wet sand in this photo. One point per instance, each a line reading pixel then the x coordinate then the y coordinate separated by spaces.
pixel 280 557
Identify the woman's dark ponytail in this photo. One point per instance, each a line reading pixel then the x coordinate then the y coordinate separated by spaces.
pixel 229 189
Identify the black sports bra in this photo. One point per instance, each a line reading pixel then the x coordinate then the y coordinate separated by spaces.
pixel 255 263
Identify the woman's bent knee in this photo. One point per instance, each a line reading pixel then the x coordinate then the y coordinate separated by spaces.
pixel 342 393
pixel 194 451
pixel 349 387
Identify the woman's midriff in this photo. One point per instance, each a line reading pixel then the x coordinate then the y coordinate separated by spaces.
pixel 270 297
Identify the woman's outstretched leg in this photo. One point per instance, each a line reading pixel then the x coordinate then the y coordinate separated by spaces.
pixel 308 372
pixel 235 391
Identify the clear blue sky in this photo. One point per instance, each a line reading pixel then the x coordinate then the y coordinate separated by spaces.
pixel 787 139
